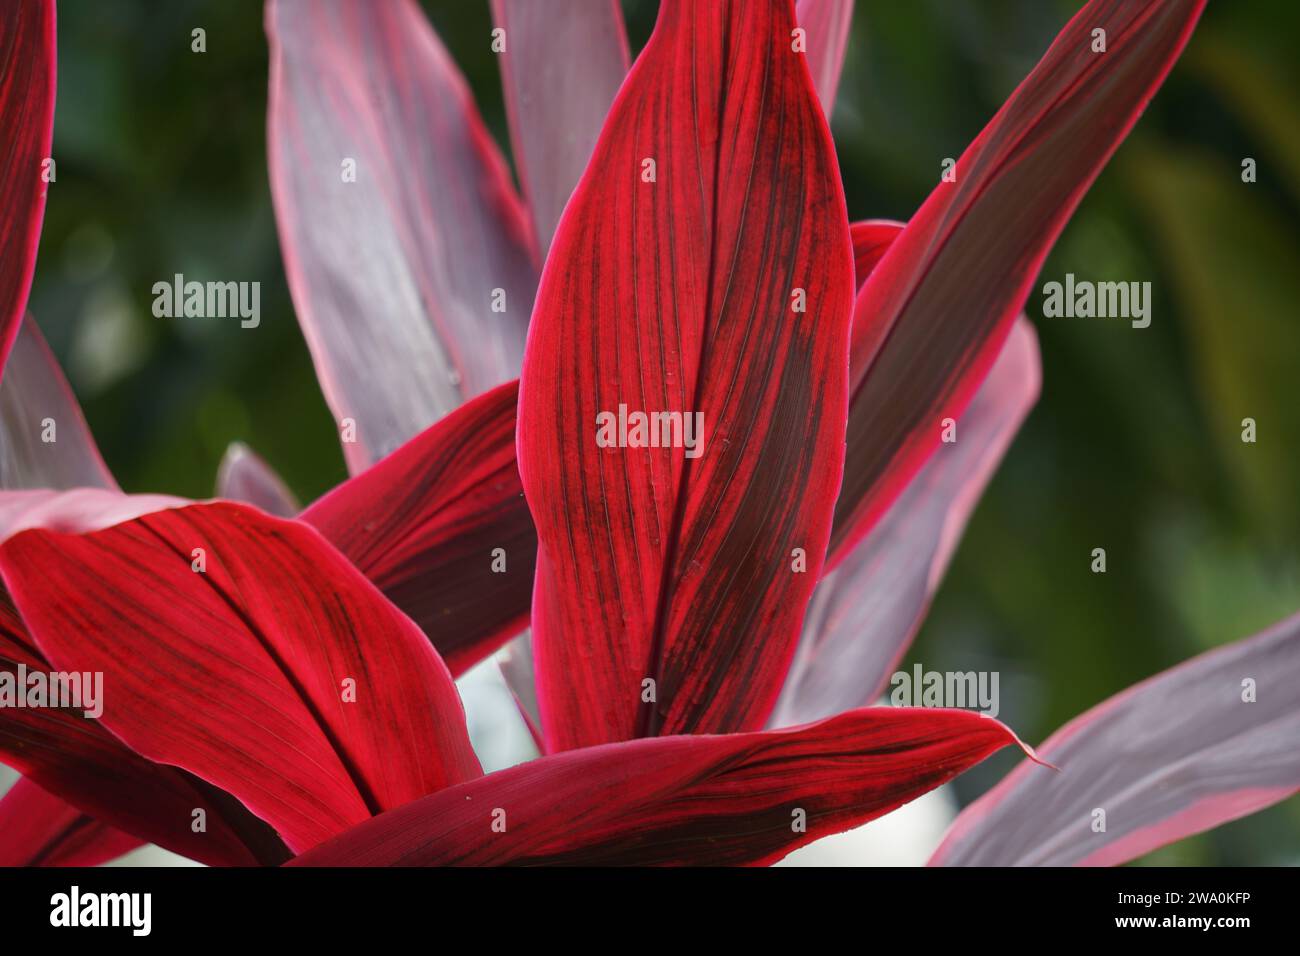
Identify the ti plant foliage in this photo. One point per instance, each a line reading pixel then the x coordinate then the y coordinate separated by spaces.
pixel 699 637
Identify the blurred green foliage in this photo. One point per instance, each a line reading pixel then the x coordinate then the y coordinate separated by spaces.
pixel 1134 447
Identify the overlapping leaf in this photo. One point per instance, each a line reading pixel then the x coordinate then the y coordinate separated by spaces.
pixel 562 63
pixel 76 759
pixel 77 510
pixel 866 611
pixel 442 528
pixel 407 251
pixel 714 800
pixel 701 268
pixel 871 240
pixel 932 318
pixel 39 829
pixel 826 24
pixel 274 670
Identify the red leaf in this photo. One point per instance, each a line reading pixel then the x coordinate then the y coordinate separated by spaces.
pixel 424 525
pixel 827 24
pixel 32 391
pixel 713 800
pixel 1177 754
pixel 871 240
pixel 676 296
pixel 930 321
pixel 27 57
pixel 80 762
pixel 562 64
pixel 244 476
pixel 395 274
pixel 39 829
pixel 411 526
pixel 240 673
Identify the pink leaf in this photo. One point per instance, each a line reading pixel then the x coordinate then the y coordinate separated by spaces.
pixel 407 251
pixel 244 476
pixel 35 398
pixel 827 24
pixel 563 63
pixel 1205 742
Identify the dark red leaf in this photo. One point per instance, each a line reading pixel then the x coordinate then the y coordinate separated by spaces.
pixel 78 760
pixel 871 240
pixel 712 800
pixel 27 58
pixel 277 673
pixel 935 312
pixel 39 829
pixel 678 295
pixel 426 523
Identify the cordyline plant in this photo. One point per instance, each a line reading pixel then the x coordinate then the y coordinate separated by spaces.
pixel 707 622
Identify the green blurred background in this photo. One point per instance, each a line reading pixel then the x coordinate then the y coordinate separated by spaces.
pixel 1134 447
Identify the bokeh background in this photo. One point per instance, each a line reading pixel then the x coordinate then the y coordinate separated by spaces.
pixel 1135 445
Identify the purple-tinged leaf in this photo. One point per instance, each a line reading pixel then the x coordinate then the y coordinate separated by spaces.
pixel 563 62
pixel 826 24
pixel 1208 741
pixel 244 476
pixel 516 665
pixel 406 248
pixel 865 613
pixel 44 440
